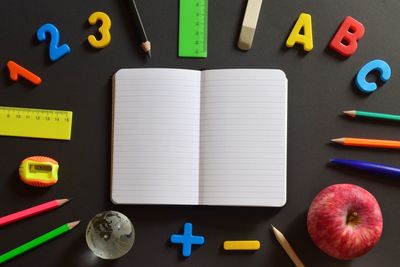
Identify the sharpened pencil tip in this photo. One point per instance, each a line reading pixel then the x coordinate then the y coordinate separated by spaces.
pixel 331 160
pixel 351 113
pixel 337 140
pixel 146 46
pixel 274 230
pixel 287 247
pixel 63 201
pixel 73 224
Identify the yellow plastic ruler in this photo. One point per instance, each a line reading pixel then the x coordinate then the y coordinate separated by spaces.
pixel 36 123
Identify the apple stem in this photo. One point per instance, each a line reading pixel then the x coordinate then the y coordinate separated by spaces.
pixel 352 218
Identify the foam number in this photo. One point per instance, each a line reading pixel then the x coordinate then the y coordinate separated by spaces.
pixel 17 71
pixel 104 29
pixel 55 51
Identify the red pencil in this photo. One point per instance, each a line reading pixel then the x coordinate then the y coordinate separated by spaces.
pixel 32 211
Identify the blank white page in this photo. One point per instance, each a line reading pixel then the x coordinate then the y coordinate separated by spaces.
pixel 243 137
pixel 155 154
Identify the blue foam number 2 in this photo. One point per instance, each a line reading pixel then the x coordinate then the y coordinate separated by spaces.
pixel 55 51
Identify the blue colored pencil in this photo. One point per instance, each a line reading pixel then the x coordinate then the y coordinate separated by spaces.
pixel 368 166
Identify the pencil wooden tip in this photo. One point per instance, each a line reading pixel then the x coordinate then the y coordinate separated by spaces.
pixel 62 201
pixel 73 224
pixel 274 230
pixel 146 46
pixel 351 113
pixel 338 140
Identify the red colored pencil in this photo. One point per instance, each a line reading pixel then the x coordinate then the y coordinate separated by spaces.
pixel 32 211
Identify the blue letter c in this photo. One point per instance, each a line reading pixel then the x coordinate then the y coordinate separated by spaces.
pixel 377 64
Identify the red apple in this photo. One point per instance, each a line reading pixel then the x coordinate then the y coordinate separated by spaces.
pixel 345 221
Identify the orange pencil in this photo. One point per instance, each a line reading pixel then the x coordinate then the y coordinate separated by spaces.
pixel 347 141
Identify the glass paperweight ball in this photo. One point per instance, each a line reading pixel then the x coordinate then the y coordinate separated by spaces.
pixel 110 235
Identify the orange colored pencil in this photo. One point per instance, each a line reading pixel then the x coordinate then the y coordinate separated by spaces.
pixel 347 141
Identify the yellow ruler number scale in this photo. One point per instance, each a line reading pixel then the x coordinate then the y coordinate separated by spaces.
pixel 36 123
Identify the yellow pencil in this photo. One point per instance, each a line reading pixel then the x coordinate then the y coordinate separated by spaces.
pixel 287 247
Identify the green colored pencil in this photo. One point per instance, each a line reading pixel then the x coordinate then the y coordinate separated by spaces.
pixel 366 114
pixel 37 241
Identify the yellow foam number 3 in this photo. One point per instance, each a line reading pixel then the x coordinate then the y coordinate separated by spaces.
pixel 104 29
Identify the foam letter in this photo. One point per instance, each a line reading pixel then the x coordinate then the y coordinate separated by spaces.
pixel 377 64
pixel 346 37
pixel 306 39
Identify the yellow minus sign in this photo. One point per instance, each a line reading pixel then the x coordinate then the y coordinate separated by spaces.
pixel 242 245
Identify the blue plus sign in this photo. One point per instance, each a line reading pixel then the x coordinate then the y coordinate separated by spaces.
pixel 187 240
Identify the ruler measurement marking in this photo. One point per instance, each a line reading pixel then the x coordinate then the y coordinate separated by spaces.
pixel 193 28
pixel 37 123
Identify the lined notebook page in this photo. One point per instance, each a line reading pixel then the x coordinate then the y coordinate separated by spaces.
pixel 156 119
pixel 243 137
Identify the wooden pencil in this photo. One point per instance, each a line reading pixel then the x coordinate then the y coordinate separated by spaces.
pixel 38 241
pixel 145 43
pixel 287 247
pixel 20 215
pixel 378 143
pixel 374 115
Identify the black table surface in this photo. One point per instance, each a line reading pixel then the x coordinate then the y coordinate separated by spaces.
pixel 320 87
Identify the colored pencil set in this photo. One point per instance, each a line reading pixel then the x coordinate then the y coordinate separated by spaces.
pixel 372 167
pixel 361 142
pixel 20 215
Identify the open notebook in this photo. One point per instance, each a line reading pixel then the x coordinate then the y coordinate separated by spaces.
pixel 214 137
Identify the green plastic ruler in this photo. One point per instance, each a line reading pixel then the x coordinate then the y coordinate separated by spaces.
pixel 193 28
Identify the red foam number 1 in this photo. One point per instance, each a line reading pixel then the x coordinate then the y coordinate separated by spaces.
pixel 16 71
